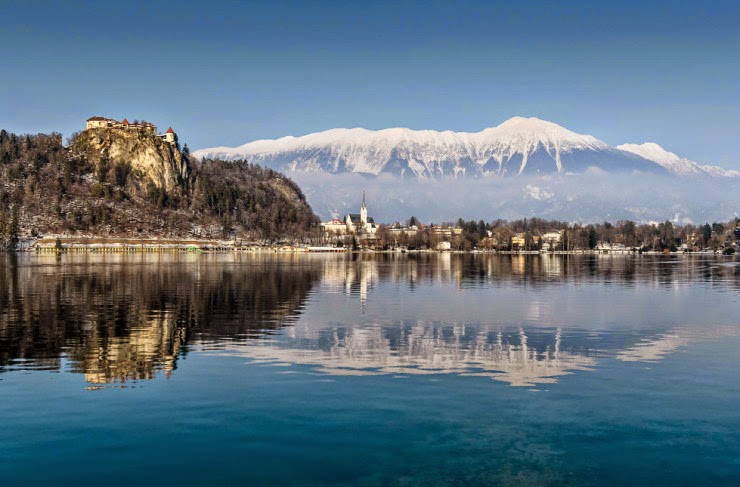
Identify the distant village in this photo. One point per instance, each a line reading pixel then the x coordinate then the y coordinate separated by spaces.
pixel 360 231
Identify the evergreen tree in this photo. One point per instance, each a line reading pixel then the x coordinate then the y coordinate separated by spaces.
pixel 14 228
pixel 593 238
pixel 706 232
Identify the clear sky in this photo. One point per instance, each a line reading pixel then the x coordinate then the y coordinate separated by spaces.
pixel 226 73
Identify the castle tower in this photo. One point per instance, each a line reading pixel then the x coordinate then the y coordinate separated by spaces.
pixel 170 136
pixel 363 211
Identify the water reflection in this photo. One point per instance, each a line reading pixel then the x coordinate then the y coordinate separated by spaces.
pixel 525 320
pixel 418 348
pixel 119 318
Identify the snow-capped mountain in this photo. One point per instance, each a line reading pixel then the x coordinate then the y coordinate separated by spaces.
pixel 675 164
pixel 519 146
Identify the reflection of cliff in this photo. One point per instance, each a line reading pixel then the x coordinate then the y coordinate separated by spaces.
pixel 125 317
pixel 423 348
pixel 122 317
pixel 152 346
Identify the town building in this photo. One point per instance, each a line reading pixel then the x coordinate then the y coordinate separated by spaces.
pixel 396 231
pixel 444 233
pixel 519 241
pixel 335 226
pixel 552 240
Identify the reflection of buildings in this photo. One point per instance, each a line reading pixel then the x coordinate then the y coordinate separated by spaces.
pixel 424 348
pixel 127 317
pixel 353 277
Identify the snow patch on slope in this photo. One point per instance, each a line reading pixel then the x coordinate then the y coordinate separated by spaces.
pixel 719 172
pixel 537 193
pixel 677 165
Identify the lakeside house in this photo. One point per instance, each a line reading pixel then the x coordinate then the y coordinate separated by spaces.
pixel 552 240
pixel 335 226
pixel 397 231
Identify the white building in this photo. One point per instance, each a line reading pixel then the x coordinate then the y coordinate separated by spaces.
pixel 360 224
pixel 352 224
pixel 335 226
pixel 552 240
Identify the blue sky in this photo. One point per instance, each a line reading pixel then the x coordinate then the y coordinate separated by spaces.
pixel 225 73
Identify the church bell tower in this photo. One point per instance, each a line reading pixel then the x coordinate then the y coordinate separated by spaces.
pixel 363 210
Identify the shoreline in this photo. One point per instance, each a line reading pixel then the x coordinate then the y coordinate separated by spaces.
pixel 61 244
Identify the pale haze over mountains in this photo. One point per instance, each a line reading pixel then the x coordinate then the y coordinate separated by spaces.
pixel 522 167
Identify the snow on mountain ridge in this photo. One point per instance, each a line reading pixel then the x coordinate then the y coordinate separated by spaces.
pixel 674 163
pixel 524 135
pixel 514 147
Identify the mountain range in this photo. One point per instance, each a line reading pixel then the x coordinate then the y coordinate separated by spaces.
pixel 517 147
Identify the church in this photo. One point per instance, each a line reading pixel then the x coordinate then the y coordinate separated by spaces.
pixel 353 223
pixel 360 224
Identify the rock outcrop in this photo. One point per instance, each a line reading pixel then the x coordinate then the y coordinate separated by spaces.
pixel 125 182
pixel 150 157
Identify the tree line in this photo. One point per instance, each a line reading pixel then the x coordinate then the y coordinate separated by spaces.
pixel 536 232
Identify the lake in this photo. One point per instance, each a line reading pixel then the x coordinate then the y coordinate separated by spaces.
pixel 369 369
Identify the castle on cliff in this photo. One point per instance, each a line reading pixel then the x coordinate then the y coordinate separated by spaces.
pixel 97 122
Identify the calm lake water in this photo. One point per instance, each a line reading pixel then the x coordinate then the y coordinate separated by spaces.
pixel 369 370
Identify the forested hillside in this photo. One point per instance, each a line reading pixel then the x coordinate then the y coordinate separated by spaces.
pixel 107 182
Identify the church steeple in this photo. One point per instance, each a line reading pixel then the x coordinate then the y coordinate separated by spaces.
pixel 363 210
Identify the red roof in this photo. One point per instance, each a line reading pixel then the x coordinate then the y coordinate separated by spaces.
pixel 125 122
pixel 170 131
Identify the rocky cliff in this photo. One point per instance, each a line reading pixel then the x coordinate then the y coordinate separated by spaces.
pixel 121 182
pixel 151 158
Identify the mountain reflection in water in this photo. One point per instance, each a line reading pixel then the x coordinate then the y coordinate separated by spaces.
pixel 524 320
pixel 427 349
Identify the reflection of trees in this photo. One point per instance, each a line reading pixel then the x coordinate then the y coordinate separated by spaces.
pixel 127 317
pixel 122 317
pixel 473 270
